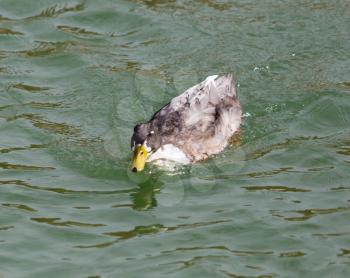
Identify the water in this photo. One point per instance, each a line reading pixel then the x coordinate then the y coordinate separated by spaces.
pixel 76 77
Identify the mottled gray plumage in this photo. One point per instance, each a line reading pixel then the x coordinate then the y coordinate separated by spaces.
pixel 199 122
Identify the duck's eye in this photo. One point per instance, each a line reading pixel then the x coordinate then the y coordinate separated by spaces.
pixel 141 152
pixel 151 133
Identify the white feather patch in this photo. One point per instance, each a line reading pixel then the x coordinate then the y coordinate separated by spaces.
pixel 169 152
pixel 210 80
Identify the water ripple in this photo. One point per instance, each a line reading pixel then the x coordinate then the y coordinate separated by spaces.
pixel 5 31
pixel 9 166
pixel 32 146
pixel 64 190
pixel 233 275
pixel 76 30
pixel 52 127
pixel 29 88
pixel 195 260
pixel 147 230
pixel 271 172
pixel 344 150
pixel 326 235
pixel 309 213
pixel 58 9
pixel 45 48
pixel 222 248
pixel 278 188
pixel 344 253
pixel 5 228
pixel 56 222
pixel 292 254
pixel 20 206
pixel 152 229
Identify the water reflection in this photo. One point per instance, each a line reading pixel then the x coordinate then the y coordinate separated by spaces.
pixel 173 186
pixel 149 184
pixel 144 197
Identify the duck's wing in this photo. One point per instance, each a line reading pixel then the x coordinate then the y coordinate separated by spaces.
pixel 202 119
pixel 199 103
pixel 212 90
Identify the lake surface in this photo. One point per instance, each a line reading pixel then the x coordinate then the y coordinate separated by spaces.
pixel 77 76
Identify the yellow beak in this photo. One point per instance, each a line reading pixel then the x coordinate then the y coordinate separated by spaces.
pixel 139 159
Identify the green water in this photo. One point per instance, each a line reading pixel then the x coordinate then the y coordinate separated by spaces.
pixel 77 76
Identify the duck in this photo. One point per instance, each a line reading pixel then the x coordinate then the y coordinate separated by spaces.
pixel 193 126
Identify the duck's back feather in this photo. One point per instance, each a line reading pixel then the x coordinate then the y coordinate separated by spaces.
pixel 201 120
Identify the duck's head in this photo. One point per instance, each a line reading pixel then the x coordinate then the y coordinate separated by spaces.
pixel 141 145
pixel 139 158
